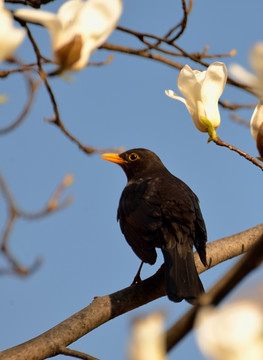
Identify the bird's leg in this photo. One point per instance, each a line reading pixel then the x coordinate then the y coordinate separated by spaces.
pixel 137 277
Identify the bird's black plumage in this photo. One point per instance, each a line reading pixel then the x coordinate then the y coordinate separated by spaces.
pixel 158 210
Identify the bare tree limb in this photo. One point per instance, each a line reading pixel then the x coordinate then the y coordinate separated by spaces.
pixel 54 204
pixel 32 87
pixel 105 308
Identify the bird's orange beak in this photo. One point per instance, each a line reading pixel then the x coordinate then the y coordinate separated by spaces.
pixel 113 158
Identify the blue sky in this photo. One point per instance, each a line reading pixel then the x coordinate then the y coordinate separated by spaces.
pixel 82 249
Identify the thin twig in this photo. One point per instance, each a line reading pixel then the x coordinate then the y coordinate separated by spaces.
pixel 182 24
pixel 32 87
pixel 250 158
pixel 235 106
pixel 238 119
pixel 142 53
pixel 54 204
pixel 204 55
pixel 102 63
pixel 76 354
pixel 87 149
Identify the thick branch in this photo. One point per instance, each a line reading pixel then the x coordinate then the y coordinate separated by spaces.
pixel 105 308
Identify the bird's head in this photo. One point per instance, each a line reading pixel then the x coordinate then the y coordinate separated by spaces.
pixel 136 162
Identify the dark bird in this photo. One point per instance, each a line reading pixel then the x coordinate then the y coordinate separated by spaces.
pixel 158 210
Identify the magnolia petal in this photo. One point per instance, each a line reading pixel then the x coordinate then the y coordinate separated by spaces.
pixel 188 84
pixel 100 18
pixel 260 140
pixel 10 37
pixel 256 59
pixel 69 54
pixel 190 107
pixel 69 18
pixel 49 21
pixel 10 42
pixel 244 76
pixel 84 55
pixel 212 88
pixel 200 76
pixel 256 120
pixel 56 23
pixel 215 80
pixel 36 16
pixel 69 10
pixel 95 23
pixel 199 112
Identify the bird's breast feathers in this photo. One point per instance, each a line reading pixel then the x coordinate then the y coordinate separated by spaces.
pixel 147 203
pixel 139 206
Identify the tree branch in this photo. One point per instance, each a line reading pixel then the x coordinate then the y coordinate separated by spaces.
pixel 242 153
pixel 54 204
pixel 32 87
pixel 105 308
pixel 76 354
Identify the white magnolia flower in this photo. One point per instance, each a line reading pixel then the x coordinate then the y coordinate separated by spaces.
pixel 256 61
pixel 232 332
pixel 256 126
pixel 147 340
pixel 77 29
pixel 256 120
pixel 202 90
pixel 10 37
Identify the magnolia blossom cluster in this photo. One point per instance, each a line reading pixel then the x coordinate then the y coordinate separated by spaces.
pixel 255 81
pixel 76 30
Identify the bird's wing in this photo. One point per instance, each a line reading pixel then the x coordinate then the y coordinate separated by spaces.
pixel 183 219
pixel 200 233
pixel 140 215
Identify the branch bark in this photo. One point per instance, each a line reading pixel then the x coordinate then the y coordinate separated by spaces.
pixel 105 308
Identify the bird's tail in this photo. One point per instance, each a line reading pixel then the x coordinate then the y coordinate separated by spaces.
pixel 181 277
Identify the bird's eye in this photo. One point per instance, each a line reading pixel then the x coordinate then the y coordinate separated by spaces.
pixel 133 157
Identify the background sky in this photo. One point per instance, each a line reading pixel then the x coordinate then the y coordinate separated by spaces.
pixel 83 251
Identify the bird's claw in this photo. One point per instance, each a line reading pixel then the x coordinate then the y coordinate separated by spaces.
pixel 137 279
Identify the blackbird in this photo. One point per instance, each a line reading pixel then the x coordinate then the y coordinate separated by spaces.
pixel 158 210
